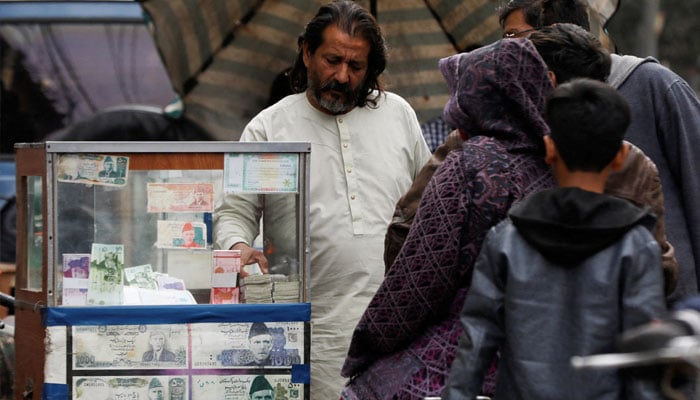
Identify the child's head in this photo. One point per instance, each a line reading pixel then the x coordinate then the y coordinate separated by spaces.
pixel 588 120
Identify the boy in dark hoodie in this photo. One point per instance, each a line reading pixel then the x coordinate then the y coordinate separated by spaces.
pixel 567 272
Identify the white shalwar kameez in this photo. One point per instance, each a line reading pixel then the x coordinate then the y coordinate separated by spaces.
pixel 361 163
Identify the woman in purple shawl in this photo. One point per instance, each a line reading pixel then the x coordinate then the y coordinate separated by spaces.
pixel 404 344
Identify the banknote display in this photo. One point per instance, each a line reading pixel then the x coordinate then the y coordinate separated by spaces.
pixel 247 344
pixel 236 387
pixel 181 235
pixel 129 347
pixel 76 269
pixel 105 282
pixel 141 276
pixel 180 197
pixel 131 387
pixel 95 169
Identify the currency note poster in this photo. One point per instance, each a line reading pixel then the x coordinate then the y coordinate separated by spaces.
pixel 247 345
pixel 130 347
pixel 93 169
pixel 236 387
pixel 180 197
pixel 131 387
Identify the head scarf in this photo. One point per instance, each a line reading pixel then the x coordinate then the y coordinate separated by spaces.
pixel 499 90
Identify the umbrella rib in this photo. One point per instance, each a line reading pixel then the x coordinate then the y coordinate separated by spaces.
pixel 191 82
pixel 438 19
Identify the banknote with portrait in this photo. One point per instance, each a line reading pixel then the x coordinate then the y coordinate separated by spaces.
pixel 236 387
pixel 129 347
pixel 141 276
pixel 180 197
pixel 105 282
pixel 162 387
pixel 174 234
pixel 96 169
pixel 234 345
pixel 75 270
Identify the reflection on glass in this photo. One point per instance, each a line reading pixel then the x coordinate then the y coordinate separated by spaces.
pixel 35 228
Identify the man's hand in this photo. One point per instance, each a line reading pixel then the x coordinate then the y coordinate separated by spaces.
pixel 249 256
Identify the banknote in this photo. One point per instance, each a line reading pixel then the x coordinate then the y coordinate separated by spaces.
pixel 247 344
pixel 129 346
pixel 181 235
pixel 105 282
pixel 225 295
pixel 97 169
pixel 180 197
pixel 141 276
pixel 236 387
pixel 76 269
pixel 160 387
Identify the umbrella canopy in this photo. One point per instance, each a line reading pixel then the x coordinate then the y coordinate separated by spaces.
pixel 223 55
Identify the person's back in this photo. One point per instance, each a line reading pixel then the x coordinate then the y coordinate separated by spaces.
pixel 664 124
pixel 568 271
pixel 665 114
pixel 403 346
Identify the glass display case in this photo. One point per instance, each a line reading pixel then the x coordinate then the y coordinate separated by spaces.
pixel 120 284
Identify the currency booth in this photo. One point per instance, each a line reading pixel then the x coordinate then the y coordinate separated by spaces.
pixel 120 293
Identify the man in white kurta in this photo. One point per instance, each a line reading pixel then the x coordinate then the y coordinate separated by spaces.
pixel 361 163
pixel 366 148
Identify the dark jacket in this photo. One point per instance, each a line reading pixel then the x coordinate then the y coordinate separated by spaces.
pixel 665 115
pixel 564 276
pixel 638 181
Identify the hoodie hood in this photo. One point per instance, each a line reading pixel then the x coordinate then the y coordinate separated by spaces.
pixel 567 225
pixel 498 90
pixel 622 67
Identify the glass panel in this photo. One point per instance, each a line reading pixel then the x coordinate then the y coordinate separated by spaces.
pixel 35 227
pixel 163 220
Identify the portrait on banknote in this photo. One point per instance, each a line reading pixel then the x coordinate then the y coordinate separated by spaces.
pixel 236 387
pixel 97 169
pixel 129 346
pixel 76 270
pixel 180 197
pixel 247 344
pixel 162 387
pixel 181 234
pixel 141 276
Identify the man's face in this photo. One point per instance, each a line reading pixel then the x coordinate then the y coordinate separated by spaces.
pixel 263 395
pixel 188 236
pixel 156 393
pixel 515 25
pixel 109 166
pixel 260 346
pixel 157 341
pixel 336 71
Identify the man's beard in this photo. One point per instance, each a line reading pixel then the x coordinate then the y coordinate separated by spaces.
pixel 337 104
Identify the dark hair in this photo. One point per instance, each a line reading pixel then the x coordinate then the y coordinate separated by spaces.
pixel 588 120
pixel 540 13
pixel 532 9
pixel 570 11
pixel 353 20
pixel 571 52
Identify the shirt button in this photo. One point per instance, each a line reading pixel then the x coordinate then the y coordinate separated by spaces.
pixel 345 145
pixel 340 120
pixel 352 197
pixel 349 170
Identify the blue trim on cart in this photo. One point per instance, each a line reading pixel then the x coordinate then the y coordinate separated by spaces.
pixel 136 315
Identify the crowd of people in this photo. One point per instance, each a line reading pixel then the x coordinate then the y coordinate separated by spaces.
pixel 558 214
